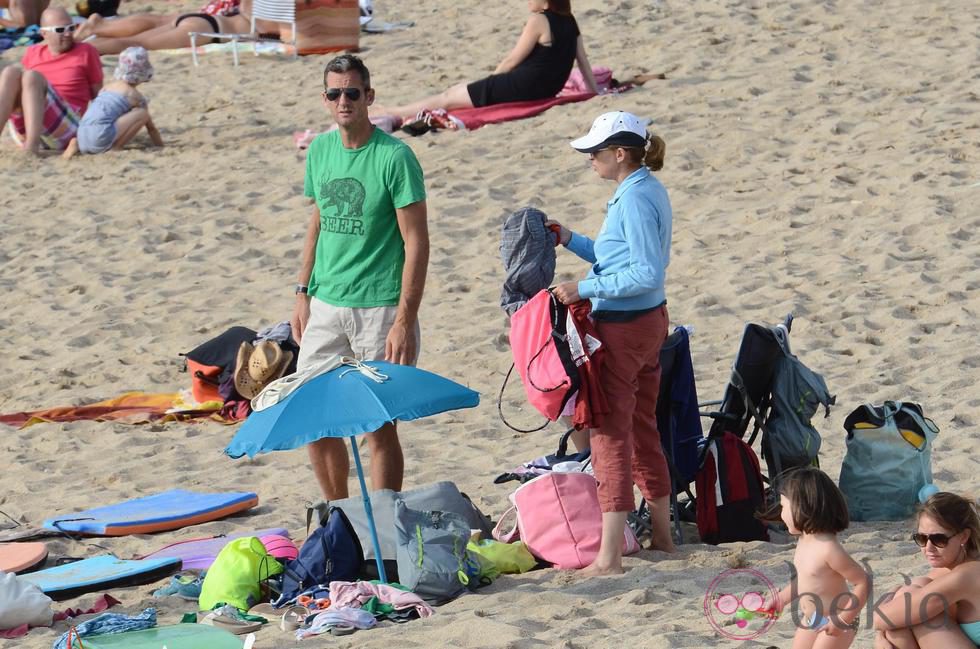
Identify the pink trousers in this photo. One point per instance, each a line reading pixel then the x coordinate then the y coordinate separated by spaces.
pixel 626 448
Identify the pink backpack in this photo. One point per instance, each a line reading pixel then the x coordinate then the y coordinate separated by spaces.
pixel 559 520
pixel 539 342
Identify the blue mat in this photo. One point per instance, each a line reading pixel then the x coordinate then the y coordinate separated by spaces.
pixel 166 511
pixel 96 573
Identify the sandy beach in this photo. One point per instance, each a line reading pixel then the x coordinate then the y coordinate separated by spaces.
pixel 821 160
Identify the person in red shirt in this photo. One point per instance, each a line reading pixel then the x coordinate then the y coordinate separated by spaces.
pixel 46 95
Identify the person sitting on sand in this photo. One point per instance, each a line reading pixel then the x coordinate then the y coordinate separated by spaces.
pixel 135 24
pixel 536 68
pixel 120 111
pixel 176 34
pixel 942 609
pixel 45 95
pixel 23 12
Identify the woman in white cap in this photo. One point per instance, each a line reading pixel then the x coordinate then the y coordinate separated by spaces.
pixel 629 305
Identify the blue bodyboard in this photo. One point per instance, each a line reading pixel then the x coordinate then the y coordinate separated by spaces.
pixel 165 511
pixel 105 571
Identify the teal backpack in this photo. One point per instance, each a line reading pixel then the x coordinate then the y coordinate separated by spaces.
pixel 888 460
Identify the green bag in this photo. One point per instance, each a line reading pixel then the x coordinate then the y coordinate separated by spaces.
pixel 237 574
pixel 506 558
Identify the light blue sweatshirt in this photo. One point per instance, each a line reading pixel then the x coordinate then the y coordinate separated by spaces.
pixel 631 253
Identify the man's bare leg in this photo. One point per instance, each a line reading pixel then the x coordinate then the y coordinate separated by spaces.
pixel 11 78
pixel 331 466
pixel 387 459
pixel 33 100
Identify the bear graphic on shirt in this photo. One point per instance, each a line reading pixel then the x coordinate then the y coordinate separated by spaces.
pixel 342 206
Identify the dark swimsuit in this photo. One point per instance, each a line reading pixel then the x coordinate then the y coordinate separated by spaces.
pixel 215 27
pixel 541 75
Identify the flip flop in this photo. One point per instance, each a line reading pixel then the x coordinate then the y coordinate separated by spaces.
pixel 228 623
pixel 265 610
pixel 342 629
pixel 418 126
pixel 294 618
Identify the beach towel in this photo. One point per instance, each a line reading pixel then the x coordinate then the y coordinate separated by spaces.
pixel 128 408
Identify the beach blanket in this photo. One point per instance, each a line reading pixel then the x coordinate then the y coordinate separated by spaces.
pixel 474 118
pixel 19 36
pixel 128 408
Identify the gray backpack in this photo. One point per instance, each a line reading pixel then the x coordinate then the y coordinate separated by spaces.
pixel 433 561
pixel 789 439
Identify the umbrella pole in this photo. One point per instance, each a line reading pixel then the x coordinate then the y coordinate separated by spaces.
pixel 370 513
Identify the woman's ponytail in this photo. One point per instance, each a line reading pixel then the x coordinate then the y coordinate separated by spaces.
pixel 653 157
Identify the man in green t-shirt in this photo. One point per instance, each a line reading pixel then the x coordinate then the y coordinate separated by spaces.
pixel 364 260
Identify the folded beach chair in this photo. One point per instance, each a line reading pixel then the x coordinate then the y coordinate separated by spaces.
pixel 773 391
pixel 280 11
pixel 748 396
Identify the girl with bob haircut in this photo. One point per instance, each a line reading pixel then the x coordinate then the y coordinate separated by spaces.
pixel 942 609
pixel 827 613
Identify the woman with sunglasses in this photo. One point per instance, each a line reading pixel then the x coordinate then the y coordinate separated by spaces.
pixel 629 258
pixel 536 68
pixel 942 609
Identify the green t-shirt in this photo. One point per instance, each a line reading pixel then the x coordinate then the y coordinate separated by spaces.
pixel 360 252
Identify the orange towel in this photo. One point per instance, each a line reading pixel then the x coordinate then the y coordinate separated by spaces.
pixel 129 408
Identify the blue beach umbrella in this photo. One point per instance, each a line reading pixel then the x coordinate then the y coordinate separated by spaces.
pixel 346 402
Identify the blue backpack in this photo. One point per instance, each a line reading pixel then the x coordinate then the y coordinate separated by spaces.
pixel 331 553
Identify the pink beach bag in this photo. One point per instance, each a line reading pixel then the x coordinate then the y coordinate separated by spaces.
pixel 542 357
pixel 559 520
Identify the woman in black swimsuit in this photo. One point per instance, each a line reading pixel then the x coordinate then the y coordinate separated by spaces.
pixel 175 35
pixel 536 68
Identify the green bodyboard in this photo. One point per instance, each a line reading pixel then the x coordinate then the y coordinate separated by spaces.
pixel 179 636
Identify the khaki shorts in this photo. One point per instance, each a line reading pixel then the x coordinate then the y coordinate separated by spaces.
pixel 357 332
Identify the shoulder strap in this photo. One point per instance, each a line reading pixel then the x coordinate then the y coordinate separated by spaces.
pixel 508 536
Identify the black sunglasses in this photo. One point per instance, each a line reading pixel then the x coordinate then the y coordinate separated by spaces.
pixel 333 94
pixel 938 540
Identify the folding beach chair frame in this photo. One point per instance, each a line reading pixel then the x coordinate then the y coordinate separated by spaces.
pixel 748 396
pixel 280 11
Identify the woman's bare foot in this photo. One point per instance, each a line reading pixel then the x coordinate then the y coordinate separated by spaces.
pixel 71 149
pixel 596 570
pixel 88 27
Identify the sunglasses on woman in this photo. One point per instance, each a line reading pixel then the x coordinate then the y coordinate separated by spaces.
pixel 938 540
pixel 60 29
pixel 333 94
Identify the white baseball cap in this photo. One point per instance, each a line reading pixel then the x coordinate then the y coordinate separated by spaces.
pixel 615 128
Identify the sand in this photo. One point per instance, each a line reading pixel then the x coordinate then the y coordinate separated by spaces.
pixel 821 160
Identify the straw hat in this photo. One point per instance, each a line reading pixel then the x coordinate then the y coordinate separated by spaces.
pixel 256 367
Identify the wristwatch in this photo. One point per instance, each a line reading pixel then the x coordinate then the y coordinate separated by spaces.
pixel 302 288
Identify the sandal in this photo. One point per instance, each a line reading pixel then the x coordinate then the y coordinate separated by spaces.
pixel 342 629
pixel 294 618
pixel 420 125
pixel 226 620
